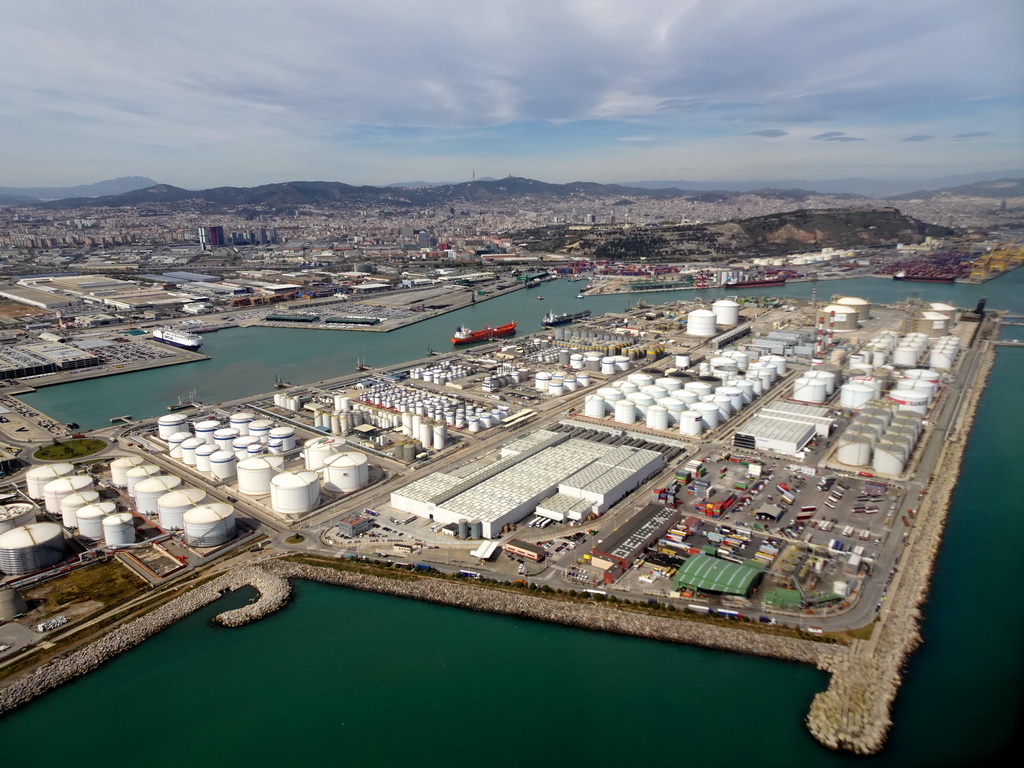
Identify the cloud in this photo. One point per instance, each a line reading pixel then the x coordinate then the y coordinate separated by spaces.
pixel 321 87
pixel 844 138
pixel 919 137
pixel 635 138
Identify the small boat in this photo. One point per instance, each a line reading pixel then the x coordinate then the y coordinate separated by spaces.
pixel 361 366
pixel 580 296
pixel 280 383
pixel 540 298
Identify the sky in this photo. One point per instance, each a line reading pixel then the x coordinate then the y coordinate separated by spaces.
pixel 223 92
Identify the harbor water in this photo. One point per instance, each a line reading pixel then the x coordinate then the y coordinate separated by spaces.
pixel 343 677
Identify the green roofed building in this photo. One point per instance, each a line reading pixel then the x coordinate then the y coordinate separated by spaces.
pixel 786 599
pixel 709 574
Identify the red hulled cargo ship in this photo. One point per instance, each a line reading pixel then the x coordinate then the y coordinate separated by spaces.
pixel 465 336
pixel 920 278
pixel 764 282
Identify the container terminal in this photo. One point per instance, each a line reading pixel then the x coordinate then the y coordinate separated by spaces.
pixel 761 459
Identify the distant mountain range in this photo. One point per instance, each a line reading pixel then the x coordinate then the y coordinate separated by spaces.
pixel 100 189
pixel 324 193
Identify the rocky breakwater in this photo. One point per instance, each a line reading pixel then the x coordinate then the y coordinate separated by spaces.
pixel 601 617
pixel 854 713
pixel 274 592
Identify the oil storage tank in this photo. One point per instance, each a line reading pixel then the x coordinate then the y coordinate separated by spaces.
pixel 171 424
pixel 141 472
pixel 149 491
pixel 119 529
pixel 209 525
pixel 254 474
pixel 726 311
pixel 346 472
pixel 294 493
pixel 70 504
pixel 32 547
pixel 315 452
pixel 90 519
pixel 171 507
pixel 241 421
pixel 701 322
pixel 39 476
pixel 55 490
pixel 222 464
pixel 14 515
pixel 120 465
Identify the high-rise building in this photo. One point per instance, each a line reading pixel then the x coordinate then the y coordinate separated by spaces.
pixel 211 237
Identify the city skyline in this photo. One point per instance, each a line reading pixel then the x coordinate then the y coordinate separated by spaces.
pixel 198 95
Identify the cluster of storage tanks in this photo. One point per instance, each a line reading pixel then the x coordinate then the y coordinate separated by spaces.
pixel 724 313
pixel 602 344
pixel 889 348
pixel 678 402
pixel 880 437
pixel 398 407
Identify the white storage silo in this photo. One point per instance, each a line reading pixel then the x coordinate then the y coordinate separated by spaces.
pixel 149 491
pixel 70 504
pixel 669 383
pixel 225 438
pixel 709 414
pixel 691 423
pixel 608 365
pixel 701 322
pixel 188 450
pixel 55 490
pixel 735 394
pixel 907 399
pixel 626 387
pixel 16 515
pixel 203 454
pixel 625 412
pixel 698 387
pixel 346 472
pixel 747 390
pixel 174 444
pixel 254 474
pixel 943 357
pixel 222 464
pixel 241 421
pixel 593 407
pixel 641 400
pixel 240 445
pixel 778 362
pixel 610 394
pixel 120 465
pixel 172 506
pixel 39 476
pixel 888 459
pixel 854 453
pixel 294 493
pixel 141 472
pixel 119 529
pixel 209 525
pixel 171 424
pixel 934 324
pixel 440 436
pixel 855 395
pixel 541 381
pixel 315 452
pixel 260 428
pixel 657 417
pixel 204 429
pixel 673 407
pixel 556 387
pixel 286 435
pixel 726 311
pixel 640 379
pixel 905 356
pixel 724 404
pixel 841 317
pixel 90 519
pixel 32 547
pixel 686 396
pixel 809 390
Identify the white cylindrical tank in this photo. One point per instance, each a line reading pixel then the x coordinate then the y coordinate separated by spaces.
pixel 286 435
pixel 203 454
pixel 171 424
pixel 39 476
pixel 120 466
pixel 241 421
pixel 906 356
pixel 698 387
pixel 724 404
pixel 171 507
pixel 209 525
pixel 691 423
pixel 809 390
pixel 15 515
pixel 593 407
pixel 149 491
pixel 625 412
pixel 260 428
pixel 31 547
pixel 841 317
pixel 346 472
pixel 608 365
pixel 855 395
pixel 541 381
pixel 225 438
pixel 315 452
pixel 862 306
pixel 119 529
pixel 240 445
pixel 141 472
pixel 611 394
pixel 640 379
pixel 188 450
pixel 855 453
pixel 709 414
pixel 174 444
pixel 778 362
pixel 657 417
pixel 701 322
pixel 735 394
pixel 682 362
pixel 90 519
pixel 440 436
pixel 912 400
pixel 294 493
pixel 727 312
pixel 204 429
pixel 888 459
pixel 222 464
pixel 55 490
pixel 70 504
pixel 254 474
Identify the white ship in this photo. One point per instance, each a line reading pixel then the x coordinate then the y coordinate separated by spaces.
pixel 183 339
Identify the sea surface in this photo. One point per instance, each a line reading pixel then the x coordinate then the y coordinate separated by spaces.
pixel 340 677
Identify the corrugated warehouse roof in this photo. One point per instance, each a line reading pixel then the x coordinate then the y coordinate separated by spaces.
pixel 769 428
pixel 709 574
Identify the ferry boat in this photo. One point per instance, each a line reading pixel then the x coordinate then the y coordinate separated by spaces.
pixel 465 336
pixel 551 318
pixel 763 282
pixel 183 339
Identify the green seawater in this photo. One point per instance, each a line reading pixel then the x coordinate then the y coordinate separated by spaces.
pixel 340 677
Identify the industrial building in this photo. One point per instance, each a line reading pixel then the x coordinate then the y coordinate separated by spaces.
pixel 37 359
pixel 784 428
pixel 518 548
pixel 531 469
pixel 709 574
pixel 354 524
pixel 618 552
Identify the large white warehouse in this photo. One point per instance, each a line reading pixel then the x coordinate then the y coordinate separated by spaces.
pixel 532 468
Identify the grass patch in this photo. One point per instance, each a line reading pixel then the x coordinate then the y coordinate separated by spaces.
pixel 295 538
pixel 864 633
pixel 108 583
pixel 70 449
